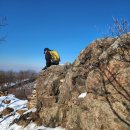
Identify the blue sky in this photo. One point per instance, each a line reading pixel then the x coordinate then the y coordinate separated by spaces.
pixel 67 26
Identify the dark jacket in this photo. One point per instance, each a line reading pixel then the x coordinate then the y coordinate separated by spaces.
pixel 48 59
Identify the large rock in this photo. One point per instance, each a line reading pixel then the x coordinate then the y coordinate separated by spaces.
pixel 7 111
pixel 102 70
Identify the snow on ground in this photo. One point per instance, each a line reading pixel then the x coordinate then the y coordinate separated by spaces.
pixel 30 110
pixel 33 126
pixel 17 104
pixel 82 95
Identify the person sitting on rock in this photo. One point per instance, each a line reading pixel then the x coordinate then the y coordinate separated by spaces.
pixel 51 57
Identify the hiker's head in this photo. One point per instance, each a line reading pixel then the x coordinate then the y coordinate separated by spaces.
pixel 46 49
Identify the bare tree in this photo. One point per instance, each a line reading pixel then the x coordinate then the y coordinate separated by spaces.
pixel 2 79
pixel 120 26
pixel 26 75
pixel 10 78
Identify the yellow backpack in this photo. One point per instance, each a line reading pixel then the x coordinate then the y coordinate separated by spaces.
pixel 55 56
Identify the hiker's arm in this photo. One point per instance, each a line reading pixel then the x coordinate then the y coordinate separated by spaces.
pixel 48 59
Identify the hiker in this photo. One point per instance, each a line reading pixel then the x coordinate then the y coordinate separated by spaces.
pixel 51 57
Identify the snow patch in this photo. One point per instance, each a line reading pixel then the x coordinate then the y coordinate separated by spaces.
pixel 17 104
pixel 33 126
pixel 30 110
pixel 82 95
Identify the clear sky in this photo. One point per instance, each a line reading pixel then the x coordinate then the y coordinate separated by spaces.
pixel 67 26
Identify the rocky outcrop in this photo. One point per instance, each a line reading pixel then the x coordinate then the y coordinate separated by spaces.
pixel 6 101
pixel 7 111
pixel 102 72
pixel 32 98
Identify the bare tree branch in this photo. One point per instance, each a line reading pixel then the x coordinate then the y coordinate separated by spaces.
pixel 120 26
